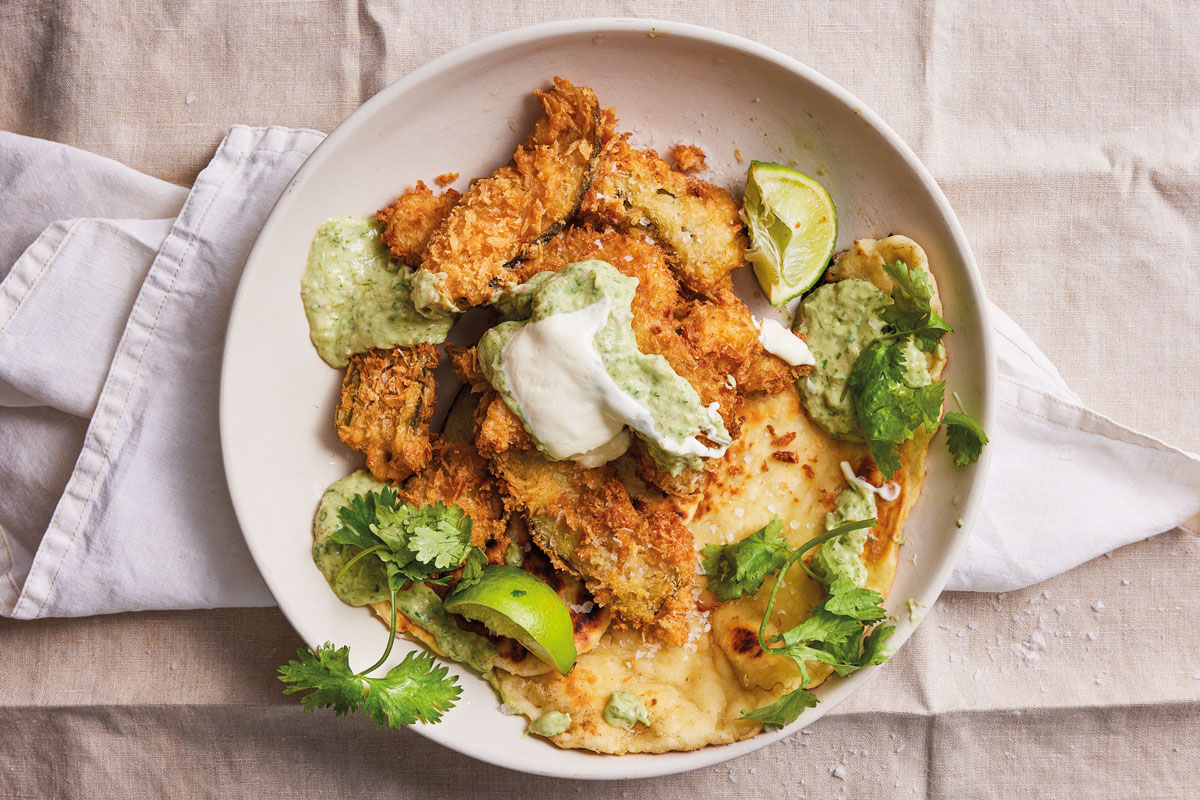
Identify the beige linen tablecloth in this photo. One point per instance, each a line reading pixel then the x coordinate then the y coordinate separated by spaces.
pixel 1065 138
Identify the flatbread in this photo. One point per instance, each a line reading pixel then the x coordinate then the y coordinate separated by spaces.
pixel 781 465
pixel 695 694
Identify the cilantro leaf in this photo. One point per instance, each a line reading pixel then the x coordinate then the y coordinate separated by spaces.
pixel 875 649
pixel 441 537
pixel 358 517
pixel 328 675
pixel 740 568
pixel 821 626
pixel 889 411
pixel 415 689
pixel 418 543
pixel 964 437
pixel 472 569
pixel 784 711
pixel 857 603
pixel 911 310
pixel 838 632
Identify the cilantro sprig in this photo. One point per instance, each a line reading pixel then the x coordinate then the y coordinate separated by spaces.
pixel 416 689
pixel 842 631
pixel 415 543
pixel 888 408
pixel 419 543
pixel 911 312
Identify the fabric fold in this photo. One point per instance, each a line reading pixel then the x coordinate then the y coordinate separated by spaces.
pixel 145 519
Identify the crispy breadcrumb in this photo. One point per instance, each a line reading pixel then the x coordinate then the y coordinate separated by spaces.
pixel 387 402
pixel 497 428
pixel 723 336
pixel 688 158
pixel 446 178
pixel 632 560
pixel 411 220
pixel 657 291
pixel 520 204
pixel 636 190
pixel 688 482
pixel 465 363
pixel 458 476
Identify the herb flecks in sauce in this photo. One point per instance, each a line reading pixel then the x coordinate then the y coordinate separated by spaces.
pixel 843 554
pixel 840 320
pixel 574 375
pixel 365 581
pixel 624 710
pixel 552 723
pixel 355 298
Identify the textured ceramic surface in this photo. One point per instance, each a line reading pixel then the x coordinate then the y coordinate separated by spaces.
pixel 465 112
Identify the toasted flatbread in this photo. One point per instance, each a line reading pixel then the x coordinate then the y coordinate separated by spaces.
pixel 695 694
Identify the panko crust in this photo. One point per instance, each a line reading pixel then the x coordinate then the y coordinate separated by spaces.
pixel 387 403
pixel 520 204
pixel 689 158
pixel 700 223
pixel 632 560
pixel 411 220
pixel 458 476
pixel 722 335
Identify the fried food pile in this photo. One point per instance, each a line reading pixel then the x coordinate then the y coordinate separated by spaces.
pixel 576 189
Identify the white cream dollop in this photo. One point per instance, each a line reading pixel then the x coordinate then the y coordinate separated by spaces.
pixel 887 493
pixel 779 341
pixel 569 401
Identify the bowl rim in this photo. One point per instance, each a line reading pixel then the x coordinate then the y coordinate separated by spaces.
pixel 644 765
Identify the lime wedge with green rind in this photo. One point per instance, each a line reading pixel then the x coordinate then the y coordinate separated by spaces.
pixel 793 229
pixel 511 602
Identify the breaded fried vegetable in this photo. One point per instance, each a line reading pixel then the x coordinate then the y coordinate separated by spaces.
pixel 497 428
pixel 589 621
pixel 469 257
pixel 636 190
pixel 687 483
pixel 387 402
pixel 411 220
pixel 631 560
pixel 722 334
pixel 458 476
pixel 655 303
pixel 657 291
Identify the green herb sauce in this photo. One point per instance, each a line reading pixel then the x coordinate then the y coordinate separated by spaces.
pixel 424 609
pixel 552 723
pixel 839 321
pixel 843 554
pixel 624 710
pixel 670 412
pixel 366 581
pixel 355 298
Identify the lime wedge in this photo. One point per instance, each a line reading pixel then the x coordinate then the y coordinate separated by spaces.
pixel 513 603
pixel 793 228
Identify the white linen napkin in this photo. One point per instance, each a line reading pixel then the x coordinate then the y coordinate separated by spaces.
pixel 111 329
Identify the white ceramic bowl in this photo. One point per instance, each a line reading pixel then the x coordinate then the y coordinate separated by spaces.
pixel 465 112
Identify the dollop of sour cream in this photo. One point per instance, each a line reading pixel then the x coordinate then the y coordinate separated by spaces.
pixel 779 341
pixel 569 401
pixel 887 493
pixel 564 392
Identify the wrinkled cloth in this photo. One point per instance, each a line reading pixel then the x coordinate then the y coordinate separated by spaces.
pixel 114 328
pixel 1065 139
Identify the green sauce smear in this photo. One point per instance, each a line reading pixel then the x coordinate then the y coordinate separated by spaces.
pixel 673 405
pixel 839 321
pixel 355 298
